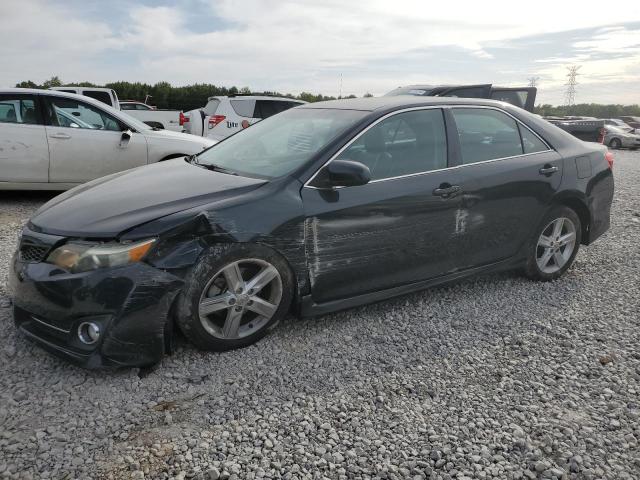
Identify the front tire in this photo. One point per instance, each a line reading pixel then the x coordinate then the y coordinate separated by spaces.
pixel 232 298
pixel 615 143
pixel 554 245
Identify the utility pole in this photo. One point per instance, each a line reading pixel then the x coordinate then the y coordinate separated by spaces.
pixel 533 81
pixel 570 92
pixel 340 94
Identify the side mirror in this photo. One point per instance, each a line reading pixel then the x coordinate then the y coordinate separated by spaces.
pixel 124 139
pixel 346 173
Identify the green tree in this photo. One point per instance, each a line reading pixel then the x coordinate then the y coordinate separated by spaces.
pixel 52 82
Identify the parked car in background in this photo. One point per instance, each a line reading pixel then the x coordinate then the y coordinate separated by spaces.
pixel 588 129
pixel 615 122
pixel 617 137
pixel 52 140
pixel 165 119
pixel 320 208
pixel 523 97
pixel 631 121
pixel 223 116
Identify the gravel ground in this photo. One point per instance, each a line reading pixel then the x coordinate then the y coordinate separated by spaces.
pixel 495 377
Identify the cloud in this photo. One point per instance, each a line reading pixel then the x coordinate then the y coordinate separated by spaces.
pixel 291 46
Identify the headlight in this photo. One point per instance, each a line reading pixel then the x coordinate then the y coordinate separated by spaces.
pixel 82 257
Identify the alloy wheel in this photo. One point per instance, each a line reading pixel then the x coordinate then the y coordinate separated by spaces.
pixel 240 299
pixel 555 245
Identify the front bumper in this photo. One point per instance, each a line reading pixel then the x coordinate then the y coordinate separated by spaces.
pixel 131 304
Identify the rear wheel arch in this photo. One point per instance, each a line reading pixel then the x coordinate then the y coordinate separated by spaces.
pixel 580 207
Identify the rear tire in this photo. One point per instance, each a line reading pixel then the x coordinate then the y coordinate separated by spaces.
pixel 554 245
pixel 234 296
pixel 615 143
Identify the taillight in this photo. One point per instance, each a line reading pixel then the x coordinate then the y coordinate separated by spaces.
pixel 215 120
pixel 602 132
pixel 609 158
pixel 183 119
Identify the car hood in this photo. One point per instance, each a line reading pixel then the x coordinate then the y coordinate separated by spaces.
pixel 184 137
pixel 106 207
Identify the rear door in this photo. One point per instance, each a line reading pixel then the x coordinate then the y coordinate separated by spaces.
pixel 24 151
pixel 85 142
pixel 508 177
pixel 520 97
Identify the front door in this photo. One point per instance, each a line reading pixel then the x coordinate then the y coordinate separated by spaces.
pixel 24 152
pixel 86 142
pixel 399 228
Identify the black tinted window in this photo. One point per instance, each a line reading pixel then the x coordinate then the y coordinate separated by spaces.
pixel 530 141
pixel 472 92
pixel 268 108
pixel 486 134
pixel 104 97
pixel 411 142
pixel 18 109
pixel 514 97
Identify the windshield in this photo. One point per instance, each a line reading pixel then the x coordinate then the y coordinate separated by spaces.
pixel 279 144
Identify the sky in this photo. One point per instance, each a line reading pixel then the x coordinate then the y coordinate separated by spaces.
pixel 328 46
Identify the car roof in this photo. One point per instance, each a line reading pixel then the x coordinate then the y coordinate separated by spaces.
pixel 254 97
pixel 371 104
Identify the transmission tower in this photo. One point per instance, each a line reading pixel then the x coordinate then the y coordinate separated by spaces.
pixel 570 92
pixel 533 81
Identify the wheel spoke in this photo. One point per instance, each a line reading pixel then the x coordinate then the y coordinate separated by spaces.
pixel 559 259
pixel 233 276
pixel 557 227
pixel 262 307
pixel 262 279
pixel 567 238
pixel 546 257
pixel 232 323
pixel 544 242
pixel 214 304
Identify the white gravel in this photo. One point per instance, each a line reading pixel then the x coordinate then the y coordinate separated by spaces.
pixel 495 377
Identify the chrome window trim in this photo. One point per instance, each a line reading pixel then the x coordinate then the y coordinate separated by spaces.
pixel 430 107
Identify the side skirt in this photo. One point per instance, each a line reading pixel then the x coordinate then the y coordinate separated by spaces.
pixel 309 308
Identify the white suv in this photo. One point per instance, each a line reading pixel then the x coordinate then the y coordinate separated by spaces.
pixel 224 116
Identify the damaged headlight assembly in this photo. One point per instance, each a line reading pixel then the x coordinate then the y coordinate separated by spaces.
pixel 77 257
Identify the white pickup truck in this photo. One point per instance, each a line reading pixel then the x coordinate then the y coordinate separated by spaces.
pixel 165 119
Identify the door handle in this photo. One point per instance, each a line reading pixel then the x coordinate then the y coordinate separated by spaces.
pixel 445 190
pixel 548 170
pixel 61 136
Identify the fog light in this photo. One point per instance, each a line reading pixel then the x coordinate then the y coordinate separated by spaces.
pixel 89 332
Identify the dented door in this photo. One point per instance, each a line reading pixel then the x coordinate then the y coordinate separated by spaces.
pixel 380 235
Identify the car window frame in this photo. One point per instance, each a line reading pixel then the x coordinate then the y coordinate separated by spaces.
pixel 519 123
pixel 48 112
pixel 448 140
pixel 36 105
pixel 454 155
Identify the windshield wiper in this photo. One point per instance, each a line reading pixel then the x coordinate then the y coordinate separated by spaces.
pixel 193 159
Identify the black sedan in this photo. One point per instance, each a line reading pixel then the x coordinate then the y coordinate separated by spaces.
pixel 320 208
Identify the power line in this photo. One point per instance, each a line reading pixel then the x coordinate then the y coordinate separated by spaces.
pixel 570 92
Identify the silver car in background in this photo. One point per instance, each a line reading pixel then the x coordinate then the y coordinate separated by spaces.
pixel 616 137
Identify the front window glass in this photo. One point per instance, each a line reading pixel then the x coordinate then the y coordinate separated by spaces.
pixel 280 144
pixel 486 134
pixel 403 144
pixel 68 112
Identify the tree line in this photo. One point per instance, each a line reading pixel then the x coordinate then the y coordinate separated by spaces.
pixel 189 97
pixel 165 95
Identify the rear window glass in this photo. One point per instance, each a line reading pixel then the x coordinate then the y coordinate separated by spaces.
pixel 211 107
pixel 530 141
pixel 486 134
pixel 268 108
pixel 244 108
pixel 103 97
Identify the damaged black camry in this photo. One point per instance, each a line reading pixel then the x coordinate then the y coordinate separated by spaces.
pixel 323 207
